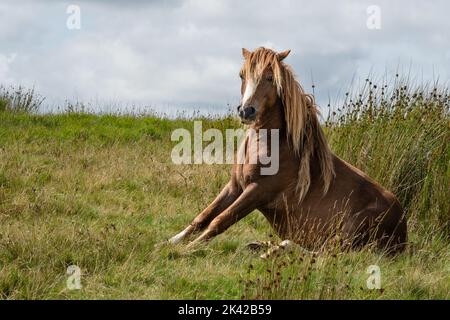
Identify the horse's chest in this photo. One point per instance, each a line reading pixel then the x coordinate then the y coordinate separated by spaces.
pixel 246 174
pixel 247 167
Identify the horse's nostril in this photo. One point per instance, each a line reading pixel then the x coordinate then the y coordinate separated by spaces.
pixel 250 112
pixel 238 108
pixel 247 113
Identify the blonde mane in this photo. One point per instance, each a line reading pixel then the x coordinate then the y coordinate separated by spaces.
pixel 303 129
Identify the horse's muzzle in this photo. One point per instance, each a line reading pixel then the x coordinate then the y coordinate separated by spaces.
pixel 247 113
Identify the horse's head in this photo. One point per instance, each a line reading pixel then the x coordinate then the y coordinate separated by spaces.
pixel 261 81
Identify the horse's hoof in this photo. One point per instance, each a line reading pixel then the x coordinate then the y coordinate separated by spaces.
pixel 256 245
pixel 179 237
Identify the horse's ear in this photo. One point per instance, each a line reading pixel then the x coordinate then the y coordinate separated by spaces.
pixel 282 55
pixel 245 53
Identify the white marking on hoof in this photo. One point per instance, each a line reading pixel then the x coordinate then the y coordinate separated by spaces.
pixel 287 245
pixel 178 237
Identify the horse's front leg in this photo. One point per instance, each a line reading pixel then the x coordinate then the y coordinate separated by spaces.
pixel 244 204
pixel 226 197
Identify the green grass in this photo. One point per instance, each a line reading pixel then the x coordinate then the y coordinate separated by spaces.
pixel 99 191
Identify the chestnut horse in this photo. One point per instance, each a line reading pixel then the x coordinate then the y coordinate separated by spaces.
pixel 315 196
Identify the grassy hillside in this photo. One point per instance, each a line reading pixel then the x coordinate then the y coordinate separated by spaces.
pixel 100 191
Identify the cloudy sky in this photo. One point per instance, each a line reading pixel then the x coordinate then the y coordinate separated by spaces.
pixel 184 55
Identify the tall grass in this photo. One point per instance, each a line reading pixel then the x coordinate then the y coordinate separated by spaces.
pixel 19 99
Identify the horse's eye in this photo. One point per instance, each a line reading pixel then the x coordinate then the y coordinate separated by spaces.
pixel 241 76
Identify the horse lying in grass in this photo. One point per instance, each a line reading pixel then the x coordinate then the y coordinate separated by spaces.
pixel 315 197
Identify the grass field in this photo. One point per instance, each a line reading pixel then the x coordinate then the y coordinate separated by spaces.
pixel 99 191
